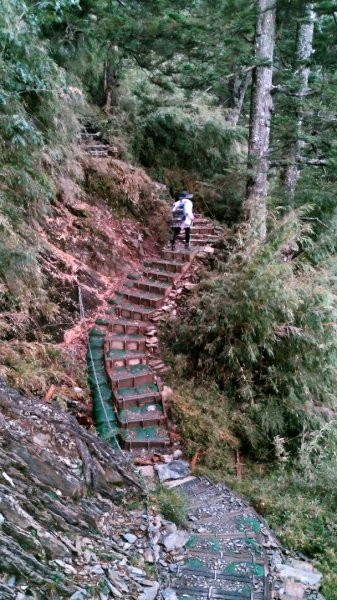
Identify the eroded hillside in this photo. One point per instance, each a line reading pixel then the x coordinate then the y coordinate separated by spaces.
pixel 104 218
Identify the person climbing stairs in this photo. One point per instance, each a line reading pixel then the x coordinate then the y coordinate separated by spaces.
pixel 131 407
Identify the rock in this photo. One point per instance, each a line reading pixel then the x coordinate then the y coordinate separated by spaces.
pixel 41 439
pixel 166 393
pixel 176 540
pixel 117 580
pixel 189 286
pixel 148 557
pixel 146 471
pixel 166 458
pixel 177 453
pixel 299 573
pixel 97 570
pixel 78 596
pixel 150 593
pixel 48 472
pixel 151 331
pixel 169 594
pixel 301 564
pixel 68 569
pixel 177 469
pixel 2 519
pixel 208 250
pixel 294 589
pixel 135 572
pixel 129 537
pixel 87 556
pixel 152 340
pixel 171 528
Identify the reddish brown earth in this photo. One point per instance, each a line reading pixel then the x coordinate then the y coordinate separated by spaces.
pixel 99 227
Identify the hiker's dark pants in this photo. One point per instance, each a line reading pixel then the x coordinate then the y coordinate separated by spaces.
pixel 175 233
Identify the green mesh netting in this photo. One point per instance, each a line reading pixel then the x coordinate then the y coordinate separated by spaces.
pixel 106 393
pixel 103 412
pixel 96 343
pixel 96 333
pixel 108 431
pixel 117 300
pixel 100 321
pixel 96 357
pixel 100 378
pixel 97 364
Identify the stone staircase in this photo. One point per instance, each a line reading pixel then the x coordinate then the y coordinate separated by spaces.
pixel 137 400
pixel 92 145
pixel 229 551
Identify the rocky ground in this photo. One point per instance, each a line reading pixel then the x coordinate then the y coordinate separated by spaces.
pixel 73 518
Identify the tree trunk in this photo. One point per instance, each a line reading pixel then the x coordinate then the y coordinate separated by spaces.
pixel 305 34
pixel 260 117
pixel 111 78
pixel 237 87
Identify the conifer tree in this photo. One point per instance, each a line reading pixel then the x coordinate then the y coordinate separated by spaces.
pixel 260 119
pixel 304 47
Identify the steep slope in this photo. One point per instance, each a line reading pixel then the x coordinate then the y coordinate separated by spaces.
pixel 104 217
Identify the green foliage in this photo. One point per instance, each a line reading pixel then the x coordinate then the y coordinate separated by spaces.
pixel 172 505
pixel 301 512
pixel 263 332
pixel 176 137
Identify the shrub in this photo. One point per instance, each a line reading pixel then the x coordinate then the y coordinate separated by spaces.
pixel 263 332
pixel 172 505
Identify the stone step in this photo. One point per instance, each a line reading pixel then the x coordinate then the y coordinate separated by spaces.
pixel 149 415
pixel 170 266
pixel 162 276
pixel 203 230
pixel 126 327
pixel 124 358
pixel 147 437
pixel 201 242
pixel 142 298
pixel 90 147
pixel 205 593
pixel 137 396
pixel 152 286
pixel 180 255
pixel 202 221
pixel 119 341
pixel 98 153
pixel 122 377
pixel 128 310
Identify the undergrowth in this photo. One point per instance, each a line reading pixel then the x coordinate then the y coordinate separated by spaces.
pixel 255 364
pixel 34 367
pixel 302 515
pixel 172 505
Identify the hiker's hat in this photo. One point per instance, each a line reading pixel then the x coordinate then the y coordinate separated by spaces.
pixel 185 196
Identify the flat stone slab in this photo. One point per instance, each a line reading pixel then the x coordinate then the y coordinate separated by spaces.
pixel 302 575
pixel 176 540
pixel 176 469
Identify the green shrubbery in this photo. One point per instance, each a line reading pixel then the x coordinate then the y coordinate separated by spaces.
pixel 172 505
pixel 263 332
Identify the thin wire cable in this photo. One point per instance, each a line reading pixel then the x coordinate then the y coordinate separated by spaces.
pixel 127 460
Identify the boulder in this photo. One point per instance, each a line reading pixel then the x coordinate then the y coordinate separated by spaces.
pixel 175 540
pixel 300 573
pixel 177 469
